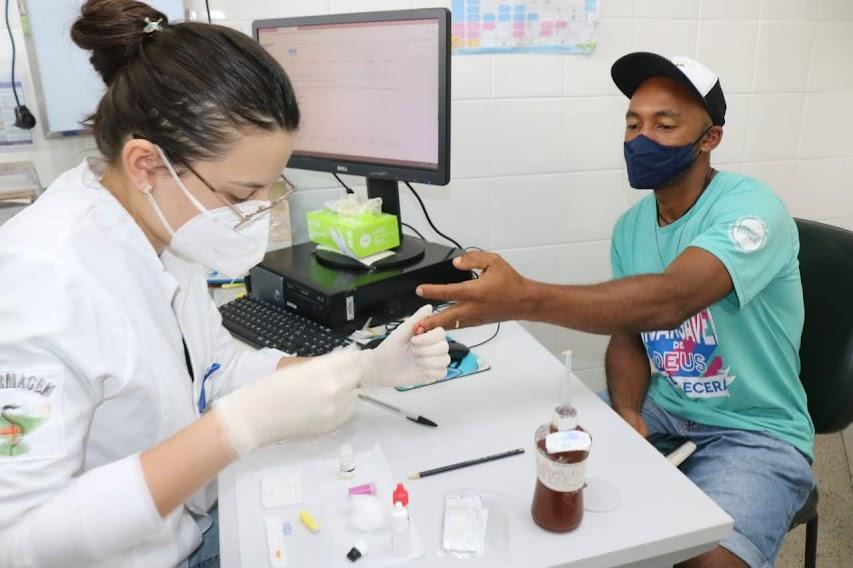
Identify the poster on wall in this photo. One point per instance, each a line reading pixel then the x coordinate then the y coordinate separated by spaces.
pixel 10 135
pixel 524 26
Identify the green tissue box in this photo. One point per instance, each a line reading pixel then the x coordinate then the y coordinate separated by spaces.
pixel 354 235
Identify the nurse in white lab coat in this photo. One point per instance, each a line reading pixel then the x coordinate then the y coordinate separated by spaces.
pixel 106 328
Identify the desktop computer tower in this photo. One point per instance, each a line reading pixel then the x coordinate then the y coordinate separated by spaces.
pixel 345 299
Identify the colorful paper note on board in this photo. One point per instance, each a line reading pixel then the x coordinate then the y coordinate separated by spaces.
pixel 524 26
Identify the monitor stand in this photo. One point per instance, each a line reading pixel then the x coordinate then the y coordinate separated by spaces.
pixel 410 250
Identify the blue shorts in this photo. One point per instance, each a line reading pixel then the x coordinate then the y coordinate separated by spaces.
pixel 755 477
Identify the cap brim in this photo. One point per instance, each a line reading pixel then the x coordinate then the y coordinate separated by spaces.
pixel 631 70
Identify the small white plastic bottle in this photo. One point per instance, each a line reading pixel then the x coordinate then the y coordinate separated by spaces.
pixel 401 541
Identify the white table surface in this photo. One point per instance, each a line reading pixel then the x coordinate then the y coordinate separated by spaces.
pixel 663 517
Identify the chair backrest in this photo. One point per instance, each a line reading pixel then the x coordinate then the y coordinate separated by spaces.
pixel 826 353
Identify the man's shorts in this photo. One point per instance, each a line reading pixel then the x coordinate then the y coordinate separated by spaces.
pixel 755 477
pixel 207 553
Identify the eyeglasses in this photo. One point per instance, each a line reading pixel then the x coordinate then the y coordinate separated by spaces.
pixel 244 217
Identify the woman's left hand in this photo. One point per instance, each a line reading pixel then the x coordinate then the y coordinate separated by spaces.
pixel 406 359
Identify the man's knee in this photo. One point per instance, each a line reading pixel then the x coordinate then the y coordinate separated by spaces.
pixel 717 558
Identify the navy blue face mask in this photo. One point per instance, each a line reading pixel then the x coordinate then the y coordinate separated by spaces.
pixel 652 165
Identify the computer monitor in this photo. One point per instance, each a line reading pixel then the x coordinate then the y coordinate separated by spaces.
pixel 374 93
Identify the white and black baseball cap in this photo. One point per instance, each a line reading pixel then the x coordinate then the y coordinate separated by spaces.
pixel 631 70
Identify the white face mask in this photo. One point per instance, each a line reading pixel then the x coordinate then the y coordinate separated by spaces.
pixel 218 239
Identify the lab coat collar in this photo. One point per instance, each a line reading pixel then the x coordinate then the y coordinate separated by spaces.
pixel 111 214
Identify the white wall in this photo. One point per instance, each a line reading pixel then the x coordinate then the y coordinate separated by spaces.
pixel 50 156
pixel 537 140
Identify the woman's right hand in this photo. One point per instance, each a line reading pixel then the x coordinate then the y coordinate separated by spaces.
pixel 302 399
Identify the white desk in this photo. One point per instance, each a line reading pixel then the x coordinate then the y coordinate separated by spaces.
pixel 663 517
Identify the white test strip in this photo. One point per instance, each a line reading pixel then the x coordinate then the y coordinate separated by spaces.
pixel 681 453
pixel 275 542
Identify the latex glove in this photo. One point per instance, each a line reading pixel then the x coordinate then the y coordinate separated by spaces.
pixel 406 359
pixel 309 398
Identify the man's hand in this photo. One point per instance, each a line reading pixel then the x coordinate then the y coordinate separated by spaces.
pixel 499 294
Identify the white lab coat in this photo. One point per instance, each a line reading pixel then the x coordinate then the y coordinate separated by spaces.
pixel 91 321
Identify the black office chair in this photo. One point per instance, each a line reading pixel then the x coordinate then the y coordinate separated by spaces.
pixel 826 353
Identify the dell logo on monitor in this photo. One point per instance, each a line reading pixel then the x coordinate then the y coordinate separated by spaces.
pixel 341 168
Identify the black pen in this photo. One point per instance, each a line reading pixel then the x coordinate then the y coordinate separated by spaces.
pixel 409 415
pixel 459 465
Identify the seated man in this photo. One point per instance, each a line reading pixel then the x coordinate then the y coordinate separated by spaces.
pixel 707 287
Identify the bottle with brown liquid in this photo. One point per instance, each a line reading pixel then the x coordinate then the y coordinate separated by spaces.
pixel 562 448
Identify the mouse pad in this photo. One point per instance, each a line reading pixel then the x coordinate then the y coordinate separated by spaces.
pixel 470 365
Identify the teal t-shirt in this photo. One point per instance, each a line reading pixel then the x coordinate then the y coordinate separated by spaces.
pixel 735 364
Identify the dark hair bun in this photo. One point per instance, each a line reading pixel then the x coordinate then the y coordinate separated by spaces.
pixel 113 30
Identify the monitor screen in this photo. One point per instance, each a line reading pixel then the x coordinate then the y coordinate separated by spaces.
pixel 374 94
pixel 368 91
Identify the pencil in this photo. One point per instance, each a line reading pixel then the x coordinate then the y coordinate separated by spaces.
pixel 468 463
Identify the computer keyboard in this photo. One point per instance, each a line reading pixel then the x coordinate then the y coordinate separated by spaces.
pixel 264 324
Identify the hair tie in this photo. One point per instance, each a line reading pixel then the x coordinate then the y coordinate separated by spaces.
pixel 151 27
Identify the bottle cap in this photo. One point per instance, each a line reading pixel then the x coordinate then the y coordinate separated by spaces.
pixel 358 550
pixel 400 495
pixel 565 418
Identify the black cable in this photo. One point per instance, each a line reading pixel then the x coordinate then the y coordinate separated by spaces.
pixel 412 229
pixel 24 119
pixel 495 334
pixel 426 214
pixel 340 181
pixel 207 5
pixel 12 41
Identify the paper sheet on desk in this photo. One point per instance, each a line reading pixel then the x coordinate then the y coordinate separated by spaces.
pixel 19 181
pixel 367 260
pixel 325 497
